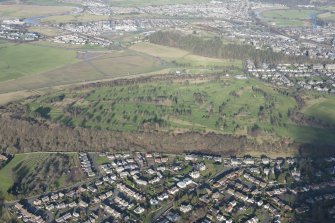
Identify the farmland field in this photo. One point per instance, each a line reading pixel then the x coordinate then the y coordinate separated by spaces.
pixel 43 64
pixel 19 60
pixel 24 11
pixel 61 66
pixel 126 63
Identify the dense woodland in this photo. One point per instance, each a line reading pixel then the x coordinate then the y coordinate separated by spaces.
pixel 25 136
pixel 216 48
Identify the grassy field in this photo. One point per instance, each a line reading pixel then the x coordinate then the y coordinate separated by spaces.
pixel 12 96
pixel 200 61
pixel 330 8
pixel 327 16
pixel 182 57
pixel 159 51
pixel 44 64
pixel 322 108
pixel 99 160
pixel 307 134
pixel 6 173
pixel 288 17
pixel 90 65
pixel 48 31
pixel 127 63
pixel 28 165
pixel 24 11
pixel 46 43
pixel 19 60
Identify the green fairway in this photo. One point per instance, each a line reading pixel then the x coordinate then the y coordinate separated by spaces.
pixel 18 60
pixel 288 17
pixel 226 106
pixel 222 106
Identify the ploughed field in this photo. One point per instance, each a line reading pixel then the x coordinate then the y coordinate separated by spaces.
pixel 227 106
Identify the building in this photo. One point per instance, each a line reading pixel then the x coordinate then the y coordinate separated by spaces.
pixel 330 66
pixel 195 174
pixel 185 208
pixel 3 158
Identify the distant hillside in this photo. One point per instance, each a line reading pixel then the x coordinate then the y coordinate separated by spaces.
pixel 172 113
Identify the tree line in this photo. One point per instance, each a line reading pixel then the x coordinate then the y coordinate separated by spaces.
pixel 214 47
pixel 23 136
